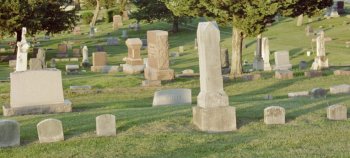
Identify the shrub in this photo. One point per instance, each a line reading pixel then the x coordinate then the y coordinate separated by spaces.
pixel 87 17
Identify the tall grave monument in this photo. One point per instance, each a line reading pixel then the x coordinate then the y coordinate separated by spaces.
pixel 134 63
pixel 22 52
pixel 265 51
pixel 212 113
pixel 158 59
pixel 321 61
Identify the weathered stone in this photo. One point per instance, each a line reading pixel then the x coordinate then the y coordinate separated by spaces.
pixel 313 73
pixel 9 133
pixel 265 52
pixel 50 130
pixel 321 61
pixel 302 65
pixel 99 48
pixel 35 92
pixel 22 52
pixel 318 93
pixel 62 51
pixel 299 94
pixel 76 52
pixel 85 62
pixel 35 64
pixel 99 59
pixel 258 63
pixel 134 63
pixel 188 71
pixel 158 57
pixel 181 49
pixel 309 30
pixel 172 97
pixel 151 83
pixel 72 69
pixel 224 57
pixel 337 112
pixel 53 63
pixel 340 89
pixel 106 69
pixel 251 77
pixel 80 89
pixel 117 22
pixel 112 41
pixel 268 97
pixel 12 63
pixel 284 74
pixel 274 115
pixel 42 57
pixel 342 73
pixel 105 125
pixel 212 113
pixel 77 30
pixel 282 60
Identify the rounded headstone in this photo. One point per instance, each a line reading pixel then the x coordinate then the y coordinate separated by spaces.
pixel 105 125
pixel 50 130
pixel 9 133
pixel 274 115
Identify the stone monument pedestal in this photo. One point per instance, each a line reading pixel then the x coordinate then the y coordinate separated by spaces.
pixel 38 109
pixel 105 69
pixel 321 62
pixel 157 74
pixel 258 64
pixel 215 119
pixel 133 69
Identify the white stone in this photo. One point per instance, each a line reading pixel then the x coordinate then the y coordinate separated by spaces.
pixel 274 115
pixel 321 61
pixel 172 97
pixel 282 60
pixel 266 54
pixel 340 89
pixel 188 71
pixel 85 55
pixel 50 130
pixel 22 52
pixel 212 113
pixel 337 112
pixel 105 125
pixel 298 94
pixel 72 67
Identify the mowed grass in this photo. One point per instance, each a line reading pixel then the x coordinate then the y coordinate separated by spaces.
pixel 143 131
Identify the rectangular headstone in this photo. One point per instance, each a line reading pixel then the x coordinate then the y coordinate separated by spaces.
pixel 337 112
pixel 35 64
pixel 340 89
pixel 282 60
pixel 9 133
pixel 99 58
pixel 172 97
pixel 105 125
pixel 50 130
pixel 274 115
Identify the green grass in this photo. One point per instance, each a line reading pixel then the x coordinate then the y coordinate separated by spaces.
pixel 143 131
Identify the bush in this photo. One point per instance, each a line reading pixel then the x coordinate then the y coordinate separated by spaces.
pixel 87 17
pixel 110 14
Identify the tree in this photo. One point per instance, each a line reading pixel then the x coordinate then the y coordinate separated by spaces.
pixel 248 17
pixel 36 16
pixel 150 10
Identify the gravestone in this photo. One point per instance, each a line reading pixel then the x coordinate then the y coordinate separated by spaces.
pixel 53 63
pixel 112 41
pixel 99 48
pixel 318 93
pixel 158 59
pixel 321 61
pixel 12 63
pixel 313 73
pixel 337 112
pixel 181 49
pixel 282 60
pixel 105 125
pixel 258 63
pixel 35 52
pixel 134 63
pixel 212 113
pixel 36 92
pixel 35 64
pixel 22 52
pixel 274 115
pixel 302 65
pixel 340 89
pixel 62 51
pixel 77 30
pixel 299 94
pixel 195 44
pixel 99 63
pixel 76 52
pixel 224 57
pixel 117 22
pixel 125 34
pixel 50 130
pixel 85 62
pixel 125 15
pixel 340 7
pixel 92 31
pixel 342 73
pixel 309 30
pixel 9 133
pixel 80 89
pixel 72 69
pixel 265 51
pixel 41 56
pixel 137 27
pixel 284 74
pixel 172 97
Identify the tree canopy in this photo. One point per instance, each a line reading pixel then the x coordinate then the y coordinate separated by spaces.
pixel 36 16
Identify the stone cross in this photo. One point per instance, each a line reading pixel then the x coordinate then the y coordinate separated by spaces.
pixel 265 51
pixel 212 113
pixel 321 61
pixel 22 52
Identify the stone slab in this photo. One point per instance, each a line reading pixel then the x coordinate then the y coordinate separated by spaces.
pixel 299 94
pixel 133 69
pixel 318 93
pixel 105 125
pixel 50 130
pixel 215 119
pixel 340 89
pixel 38 109
pixel 284 74
pixel 106 69
pixel 172 97
pixel 274 115
pixel 342 73
pixel 151 83
pixel 337 112
pixel 313 73
pixel 9 133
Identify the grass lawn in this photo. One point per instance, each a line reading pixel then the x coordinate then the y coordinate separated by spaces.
pixel 143 131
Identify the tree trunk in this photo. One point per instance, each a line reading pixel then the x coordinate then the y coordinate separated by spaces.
pixel 97 10
pixel 300 20
pixel 237 43
pixel 176 24
pixel 18 39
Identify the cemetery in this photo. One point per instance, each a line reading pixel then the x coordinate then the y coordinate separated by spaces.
pixel 124 85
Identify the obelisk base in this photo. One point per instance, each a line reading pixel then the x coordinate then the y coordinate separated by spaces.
pixel 215 119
